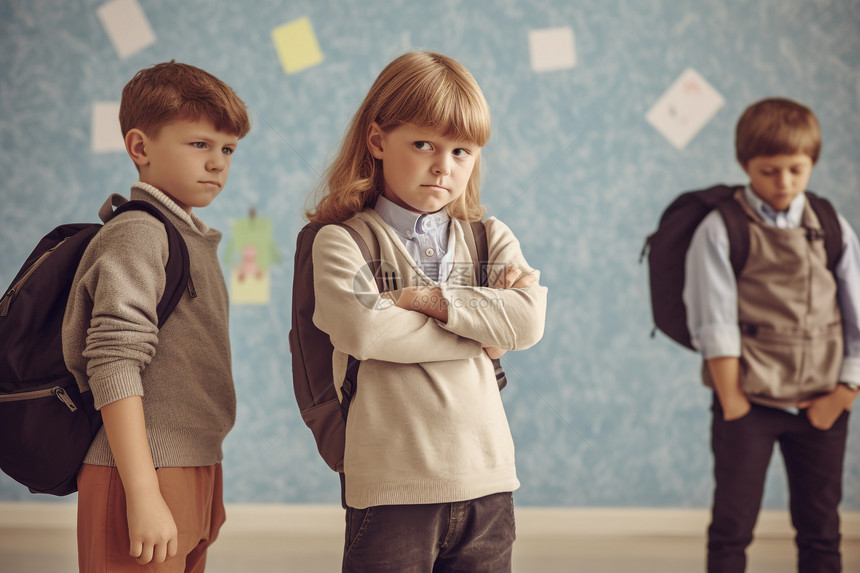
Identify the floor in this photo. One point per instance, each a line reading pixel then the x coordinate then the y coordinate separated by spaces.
pixel 23 551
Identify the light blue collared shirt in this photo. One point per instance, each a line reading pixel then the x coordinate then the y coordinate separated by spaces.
pixel 710 289
pixel 425 236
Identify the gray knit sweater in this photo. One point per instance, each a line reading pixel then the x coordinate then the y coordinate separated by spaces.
pixel 114 348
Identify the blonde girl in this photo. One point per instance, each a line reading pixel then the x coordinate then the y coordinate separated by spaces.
pixel 429 462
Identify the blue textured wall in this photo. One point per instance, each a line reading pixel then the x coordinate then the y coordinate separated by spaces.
pixel 602 414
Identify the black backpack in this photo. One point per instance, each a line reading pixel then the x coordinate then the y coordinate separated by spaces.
pixel 46 423
pixel 666 248
pixel 311 348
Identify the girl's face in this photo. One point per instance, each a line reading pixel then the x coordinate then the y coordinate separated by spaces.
pixel 423 170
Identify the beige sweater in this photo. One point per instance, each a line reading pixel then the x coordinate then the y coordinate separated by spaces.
pixel 113 347
pixel 427 424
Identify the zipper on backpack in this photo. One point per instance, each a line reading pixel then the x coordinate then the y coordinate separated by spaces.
pixel 58 392
pixel 10 295
pixel 7 299
pixel 63 397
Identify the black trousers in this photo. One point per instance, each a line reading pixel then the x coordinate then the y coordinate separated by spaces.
pixel 813 462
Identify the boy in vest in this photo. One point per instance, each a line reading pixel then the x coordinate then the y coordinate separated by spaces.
pixel 149 492
pixel 781 343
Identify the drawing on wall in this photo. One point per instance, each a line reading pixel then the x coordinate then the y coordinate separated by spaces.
pixel 127 27
pixel 297 45
pixel 250 253
pixel 685 108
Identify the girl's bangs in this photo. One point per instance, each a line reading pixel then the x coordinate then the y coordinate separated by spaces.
pixel 452 109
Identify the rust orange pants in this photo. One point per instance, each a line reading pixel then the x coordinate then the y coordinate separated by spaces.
pixel 193 495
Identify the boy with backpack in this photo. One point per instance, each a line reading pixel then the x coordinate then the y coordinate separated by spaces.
pixel 780 341
pixel 150 487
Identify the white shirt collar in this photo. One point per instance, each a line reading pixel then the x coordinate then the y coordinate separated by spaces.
pixel 791 218
pixel 406 222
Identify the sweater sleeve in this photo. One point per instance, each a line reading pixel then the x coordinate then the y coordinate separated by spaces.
pixel 362 324
pixel 512 319
pixel 113 306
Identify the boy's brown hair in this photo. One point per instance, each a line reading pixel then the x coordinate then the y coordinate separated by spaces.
pixel 777 126
pixel 171 91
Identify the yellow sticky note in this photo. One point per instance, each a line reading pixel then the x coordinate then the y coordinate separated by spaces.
pixel 297 45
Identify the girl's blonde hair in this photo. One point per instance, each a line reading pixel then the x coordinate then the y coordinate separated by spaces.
pixel 423 89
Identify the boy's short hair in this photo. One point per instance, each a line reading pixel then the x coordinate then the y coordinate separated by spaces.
pixel 777 126
pixel 172 91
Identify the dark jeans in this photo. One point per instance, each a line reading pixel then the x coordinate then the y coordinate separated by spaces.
pixel 813 463
pixel 473 536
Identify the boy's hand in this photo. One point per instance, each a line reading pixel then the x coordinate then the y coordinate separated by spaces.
pixel 823 411
pixel 735 406
pixel 725 374
pixel 151 529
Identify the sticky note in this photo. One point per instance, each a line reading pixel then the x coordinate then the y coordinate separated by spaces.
pixel 685 108
pixel 106 136
pixel 127 26
pixel 297 45
pixel 552 49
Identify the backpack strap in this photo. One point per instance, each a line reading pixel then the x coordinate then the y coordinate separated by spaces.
pixel 737 226
pixel 475 234
pixel 369 247
pixel 178 267
pixel 476 241
pixel 830 226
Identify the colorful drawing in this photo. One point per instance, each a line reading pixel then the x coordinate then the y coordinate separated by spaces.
pixel 251 252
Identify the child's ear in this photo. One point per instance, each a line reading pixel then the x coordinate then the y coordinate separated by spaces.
pixel 374 140
pixel 135 145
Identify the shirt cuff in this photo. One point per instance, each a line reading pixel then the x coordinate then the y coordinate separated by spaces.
pixel 850 370
pixel 714 340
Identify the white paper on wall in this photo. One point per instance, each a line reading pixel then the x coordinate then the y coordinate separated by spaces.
pixel 106 136
pixel 127 26
pixel 552 49
pixel 685 108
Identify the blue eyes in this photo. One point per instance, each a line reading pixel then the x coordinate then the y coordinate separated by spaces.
pixel 204 145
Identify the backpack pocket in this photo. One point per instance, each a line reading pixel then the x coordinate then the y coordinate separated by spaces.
pixel 47 429
pixel 327 423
